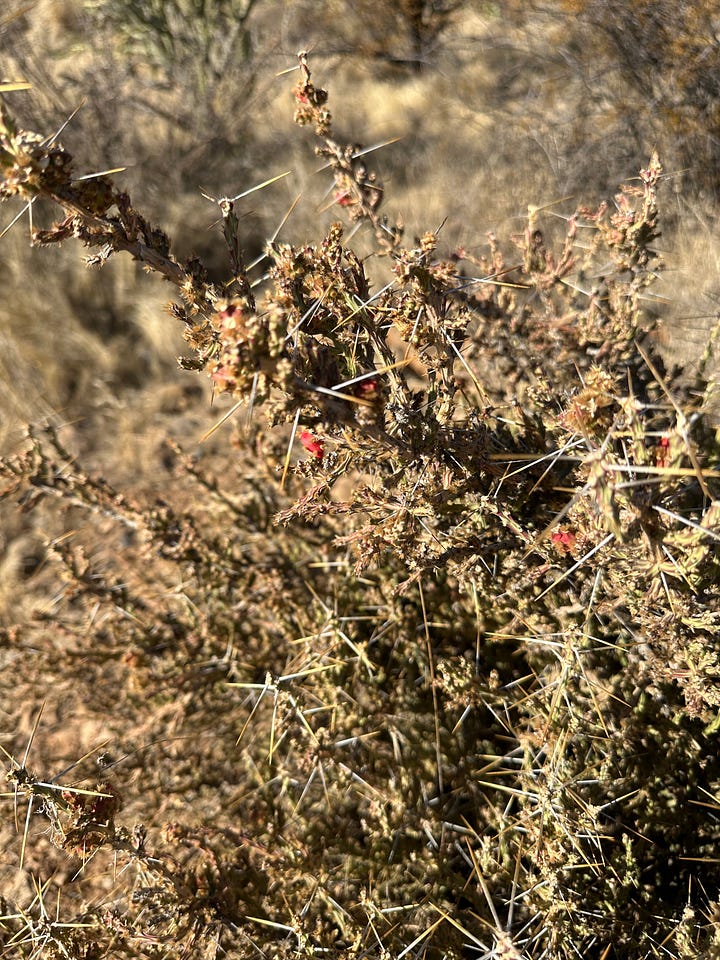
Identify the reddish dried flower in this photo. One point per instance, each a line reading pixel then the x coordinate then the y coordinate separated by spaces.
pixel 229 311
pixel 224 376
pixel 312 444
pixel 662 452
pixel 231 318
pixel 367 389
pixel 344 198
pixel 564 540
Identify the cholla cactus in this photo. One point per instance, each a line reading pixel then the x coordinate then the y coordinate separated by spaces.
pixel 440 676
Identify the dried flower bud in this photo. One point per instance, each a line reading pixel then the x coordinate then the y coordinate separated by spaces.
pixel 312 444
pixel 564 540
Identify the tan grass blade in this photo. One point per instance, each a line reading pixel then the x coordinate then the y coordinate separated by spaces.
pixel 33 732
pixel 260 186
pixel 48 141
pixel 100 173
pixel 286 465
pixel 420 937
pixel 364 151
pixel 28 206
pixel 10 86
pixel 371 374
pixel 221 421
pixel 26 831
